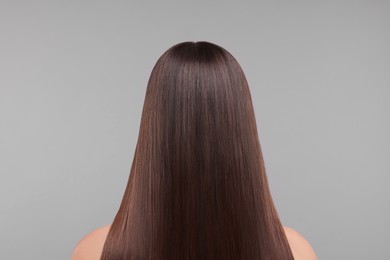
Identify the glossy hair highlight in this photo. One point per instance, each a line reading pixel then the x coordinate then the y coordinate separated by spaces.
pixel 197 187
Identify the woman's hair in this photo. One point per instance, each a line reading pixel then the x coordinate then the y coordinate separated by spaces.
pixel 197 187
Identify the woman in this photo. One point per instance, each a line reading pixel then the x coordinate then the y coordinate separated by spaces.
pixel 197 187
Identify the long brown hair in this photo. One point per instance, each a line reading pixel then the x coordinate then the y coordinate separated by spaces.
pixel 197 187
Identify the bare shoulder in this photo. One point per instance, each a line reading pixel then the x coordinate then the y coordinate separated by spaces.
pixel 301 248
pixel 91 246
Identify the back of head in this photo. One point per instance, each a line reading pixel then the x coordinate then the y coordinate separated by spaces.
pixel 197 187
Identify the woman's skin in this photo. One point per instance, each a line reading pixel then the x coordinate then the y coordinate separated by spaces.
pixel 91 246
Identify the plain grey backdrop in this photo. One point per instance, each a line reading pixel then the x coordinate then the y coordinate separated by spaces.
pixel 73 77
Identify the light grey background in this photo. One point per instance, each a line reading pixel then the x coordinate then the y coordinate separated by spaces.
pixel 73 76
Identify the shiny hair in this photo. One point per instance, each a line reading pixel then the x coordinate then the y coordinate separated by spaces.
pixel 197 187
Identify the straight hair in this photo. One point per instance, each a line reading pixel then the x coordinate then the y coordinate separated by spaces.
pixel 197 187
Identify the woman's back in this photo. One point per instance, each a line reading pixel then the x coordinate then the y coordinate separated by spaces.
pixel 91 246
pixel 197 187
